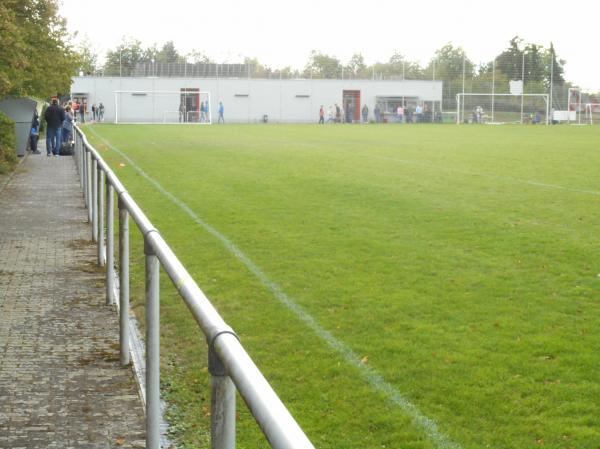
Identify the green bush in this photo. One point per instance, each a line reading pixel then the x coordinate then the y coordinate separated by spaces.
pixel 8 144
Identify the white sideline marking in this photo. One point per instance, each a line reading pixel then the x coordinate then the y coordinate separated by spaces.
pixel 484 175
pixel 428 426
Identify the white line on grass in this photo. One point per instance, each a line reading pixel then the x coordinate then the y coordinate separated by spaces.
pixel 377 381
pixel 484 175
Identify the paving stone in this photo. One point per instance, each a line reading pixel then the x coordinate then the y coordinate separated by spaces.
pixel 61 384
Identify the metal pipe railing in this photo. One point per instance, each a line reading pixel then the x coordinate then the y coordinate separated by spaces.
pixel 230 366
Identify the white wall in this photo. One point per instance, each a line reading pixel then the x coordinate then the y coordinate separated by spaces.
pixel 276 98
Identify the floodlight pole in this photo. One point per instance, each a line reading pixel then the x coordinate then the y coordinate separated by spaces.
pixel 463 80
pixel 522 85
pixel 493 87
pixel 551 75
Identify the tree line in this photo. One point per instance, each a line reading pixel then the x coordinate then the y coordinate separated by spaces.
pixel 448 64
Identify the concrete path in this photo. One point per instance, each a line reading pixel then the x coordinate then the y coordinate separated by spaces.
pixel 61 384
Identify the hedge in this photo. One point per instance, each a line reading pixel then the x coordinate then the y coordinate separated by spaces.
pixel 8 144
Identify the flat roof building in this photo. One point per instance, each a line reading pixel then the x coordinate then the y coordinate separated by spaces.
pixel 172 100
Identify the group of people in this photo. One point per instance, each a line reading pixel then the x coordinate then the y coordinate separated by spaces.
pixel 204 112
pixel 59 127
pixel 334 114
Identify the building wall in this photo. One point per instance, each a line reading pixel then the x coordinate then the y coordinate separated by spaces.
pixel 248 100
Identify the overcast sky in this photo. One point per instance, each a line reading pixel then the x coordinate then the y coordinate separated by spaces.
pixel 282 32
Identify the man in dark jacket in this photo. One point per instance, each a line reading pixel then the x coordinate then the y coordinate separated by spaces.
pixel 55 116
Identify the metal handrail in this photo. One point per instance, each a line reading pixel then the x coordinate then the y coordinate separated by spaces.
pixel 230 365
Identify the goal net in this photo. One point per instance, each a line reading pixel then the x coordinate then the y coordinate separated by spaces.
pixel 502 108
pixel 190 106
pixel 592 113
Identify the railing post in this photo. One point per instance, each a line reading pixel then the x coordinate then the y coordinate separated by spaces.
pixel 88 183
pixel 124 282
pixel 94 200
pixel 110 243
pixel 152 347
pixel 222 413
pixel 100 190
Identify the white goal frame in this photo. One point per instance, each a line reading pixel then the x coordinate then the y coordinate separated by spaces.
pixel 208 116
pixel 460 96
pixel 589 113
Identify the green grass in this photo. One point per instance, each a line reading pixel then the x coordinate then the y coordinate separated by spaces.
pixel 461 263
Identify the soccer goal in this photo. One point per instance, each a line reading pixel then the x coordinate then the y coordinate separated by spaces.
pixel 502 108
pixel 189 106
pixel 592 112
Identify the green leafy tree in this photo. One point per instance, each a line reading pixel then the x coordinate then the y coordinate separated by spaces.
pixel 553 68
pixel 87 58
pixel 323 66
pixel 356 67
pixel 122 60
pixel 398 67
pixel 35 59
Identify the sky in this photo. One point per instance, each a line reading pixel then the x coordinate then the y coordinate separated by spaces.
pixel 283 33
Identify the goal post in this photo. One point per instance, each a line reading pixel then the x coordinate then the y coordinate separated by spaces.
pixel 502 108
pixel 186 106
pixel 592 112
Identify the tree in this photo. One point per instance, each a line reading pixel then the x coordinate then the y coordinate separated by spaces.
pixel 397 67
pixel 35 60
pixel 122 60
pixel 87 58
pixel 323 66
pixel 554 68
pixel 356 67
pixel 510 61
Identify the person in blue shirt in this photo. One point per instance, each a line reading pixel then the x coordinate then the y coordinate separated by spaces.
pixel 34 134
pixel 221 110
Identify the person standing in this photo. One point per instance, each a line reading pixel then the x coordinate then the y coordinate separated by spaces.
pixel 365 113
pixel 94 112
pixel 54 116
pixel 82 111
pixel 221 111
pixel 67 131
pixel 100 112
pixel 322 115
pixel 377 113
pixel 34 134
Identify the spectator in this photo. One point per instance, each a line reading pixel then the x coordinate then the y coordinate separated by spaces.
pixel 330 115
pixel 377 112
pixel 400 113
pixel 94 112
pixel 321 115
pixel 221 111
pixel 100 112
pixel 54 116
pixel 418 113
pixel 338 114
pixel 34 134
pixel 365 113
pixel 82 110
pixel 67 131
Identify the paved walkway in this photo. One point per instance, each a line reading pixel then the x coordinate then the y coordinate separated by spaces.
pixel 61 384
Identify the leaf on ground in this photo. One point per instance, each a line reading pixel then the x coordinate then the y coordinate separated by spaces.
pixel 364 360
pixel 120 441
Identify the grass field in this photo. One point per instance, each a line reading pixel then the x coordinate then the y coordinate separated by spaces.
pixel 447 277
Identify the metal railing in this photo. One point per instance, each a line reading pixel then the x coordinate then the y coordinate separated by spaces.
pixel 229 364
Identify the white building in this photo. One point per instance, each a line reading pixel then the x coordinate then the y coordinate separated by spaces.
pixel 153 99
